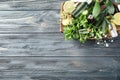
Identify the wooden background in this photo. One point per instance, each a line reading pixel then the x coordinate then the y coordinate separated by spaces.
pixel 32 48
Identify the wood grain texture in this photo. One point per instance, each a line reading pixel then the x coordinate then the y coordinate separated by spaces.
pixel 32 48
pixel 59 67
pixel 23 5
pixel 29 21
pixel 28 5
pixel 52 44
pixel 42 56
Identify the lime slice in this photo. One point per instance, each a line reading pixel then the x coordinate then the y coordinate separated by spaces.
pixel 116 19
pixel 66 22
pixel 68 6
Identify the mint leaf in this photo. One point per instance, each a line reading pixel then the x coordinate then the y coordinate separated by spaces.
pixel 96 9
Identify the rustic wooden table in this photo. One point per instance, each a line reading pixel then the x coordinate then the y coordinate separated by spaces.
pixel 32 48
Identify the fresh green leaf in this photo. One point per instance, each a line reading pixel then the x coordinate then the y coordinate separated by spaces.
pixel 76 36
pixel 110 7
pixel 96 9
pixel 104 26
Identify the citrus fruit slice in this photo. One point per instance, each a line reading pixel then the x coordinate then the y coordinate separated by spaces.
pixel 66 22
pixel 68 6
pixel 116 19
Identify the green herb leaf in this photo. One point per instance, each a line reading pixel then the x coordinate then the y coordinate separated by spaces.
pixel 96 9
pixel 110 7
pixel 76 36
pixel 104 26
pixel 67 33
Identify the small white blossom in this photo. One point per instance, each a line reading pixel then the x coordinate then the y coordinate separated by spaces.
pixel 90 16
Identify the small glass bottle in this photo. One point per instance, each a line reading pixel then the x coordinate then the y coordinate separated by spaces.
pixel 113 32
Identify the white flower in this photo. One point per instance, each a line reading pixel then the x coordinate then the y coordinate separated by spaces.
pixel 90 16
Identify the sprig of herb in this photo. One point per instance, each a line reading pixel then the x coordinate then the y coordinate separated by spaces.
pixel 96 27
pixel 81 29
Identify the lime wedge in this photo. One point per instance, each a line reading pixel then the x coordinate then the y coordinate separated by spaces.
pixel 68 6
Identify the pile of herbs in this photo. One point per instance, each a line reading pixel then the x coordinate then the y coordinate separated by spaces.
pixel 92 23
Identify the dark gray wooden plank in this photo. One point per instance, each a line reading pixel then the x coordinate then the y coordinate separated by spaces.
pixel 30 4
pixel 31 47
pixel 56 77
pixel 60 78
pixel 15 5
pixel 58 67
pixel 29 21
pixel 75 52
pixel 52 44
